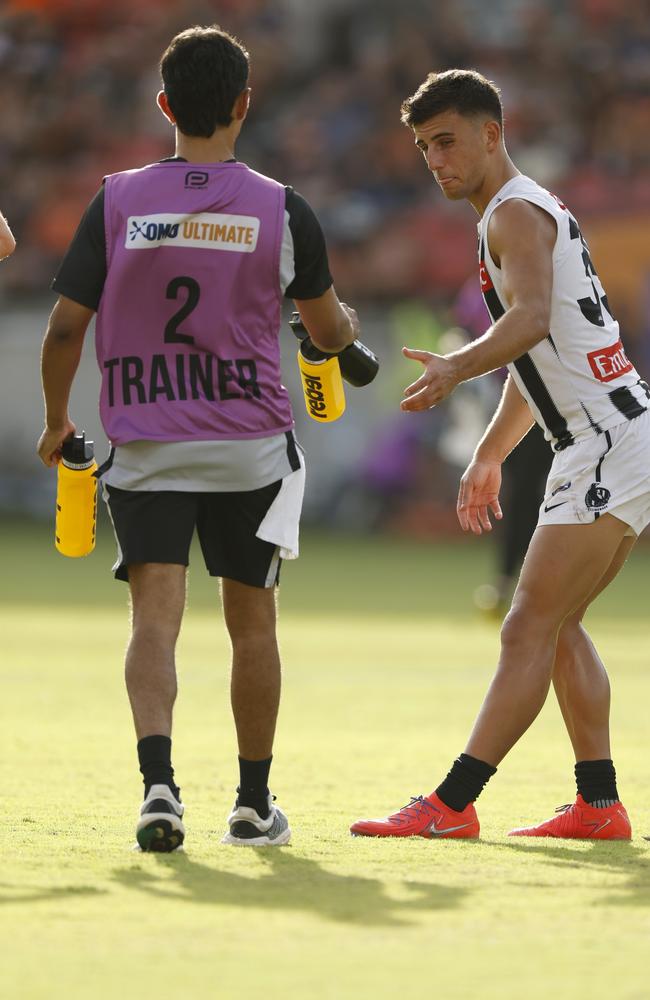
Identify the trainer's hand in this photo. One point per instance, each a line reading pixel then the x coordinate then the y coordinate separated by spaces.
pixel 51 441
pixel 438 381
pixel 355 326
pixel 479 493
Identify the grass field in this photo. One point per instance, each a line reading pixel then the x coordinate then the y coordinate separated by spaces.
pixel 385 664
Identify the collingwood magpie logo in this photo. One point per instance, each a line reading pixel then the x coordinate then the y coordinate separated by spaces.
pixel 597 496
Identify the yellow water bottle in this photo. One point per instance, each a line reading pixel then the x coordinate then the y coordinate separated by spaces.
pixel 322 373
pixel 76 497
pixel 321 383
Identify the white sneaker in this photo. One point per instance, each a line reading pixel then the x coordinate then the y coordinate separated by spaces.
pixel 160 827
pixel 247 829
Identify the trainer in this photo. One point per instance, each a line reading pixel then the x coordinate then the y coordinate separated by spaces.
pixel 553 327
pixel 186 263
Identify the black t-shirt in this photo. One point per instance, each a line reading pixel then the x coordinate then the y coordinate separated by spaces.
pixel 82 273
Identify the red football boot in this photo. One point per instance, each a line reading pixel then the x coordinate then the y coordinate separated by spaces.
pixel 422 817
pixel 582 821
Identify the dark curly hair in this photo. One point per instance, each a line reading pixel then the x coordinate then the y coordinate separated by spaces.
pixel 462 90
pixel 204 70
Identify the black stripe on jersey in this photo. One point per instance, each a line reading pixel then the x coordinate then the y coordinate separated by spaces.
pixel 626 402
pixel 592 423
pixel 540 395
pixel 292 452
pixel 529 375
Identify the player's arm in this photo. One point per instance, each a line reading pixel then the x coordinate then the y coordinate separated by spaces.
pixel 7 241
pixel 59 362
pixel 332 325
pixel 521 238
pixel 511 422
pixel 79 282
pixel 480 484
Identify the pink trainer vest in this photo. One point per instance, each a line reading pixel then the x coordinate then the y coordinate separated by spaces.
pixel 188 323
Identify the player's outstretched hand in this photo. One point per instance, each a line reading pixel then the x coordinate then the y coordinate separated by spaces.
pixel 438 381
pixel 51 441
pixel 478 494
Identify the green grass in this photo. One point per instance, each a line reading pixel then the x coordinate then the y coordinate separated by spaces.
pixel 385 665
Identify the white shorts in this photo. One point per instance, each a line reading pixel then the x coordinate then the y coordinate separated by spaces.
pixel 608 473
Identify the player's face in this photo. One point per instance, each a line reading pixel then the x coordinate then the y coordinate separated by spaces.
pixel 454 147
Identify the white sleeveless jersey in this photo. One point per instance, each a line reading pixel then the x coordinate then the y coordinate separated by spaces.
pixel 578 380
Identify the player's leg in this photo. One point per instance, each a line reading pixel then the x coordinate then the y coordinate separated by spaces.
pixel 583 692
pixel 250 617
pixel 557 577
pixel 249 568
pixel 157 604
pixel 579 676
pixel 153 532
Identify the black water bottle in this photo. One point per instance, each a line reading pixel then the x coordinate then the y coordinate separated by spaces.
pixel 358 363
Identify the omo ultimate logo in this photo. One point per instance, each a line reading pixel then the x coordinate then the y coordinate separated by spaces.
pixel 206 230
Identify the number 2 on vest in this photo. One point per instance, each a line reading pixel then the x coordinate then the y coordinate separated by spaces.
pixel 172 335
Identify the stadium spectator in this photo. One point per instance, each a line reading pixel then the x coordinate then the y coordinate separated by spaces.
pixel 575 77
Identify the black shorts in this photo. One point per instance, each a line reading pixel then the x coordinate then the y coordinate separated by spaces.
pixel 157 527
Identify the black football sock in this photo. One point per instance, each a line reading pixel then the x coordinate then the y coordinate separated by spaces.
pixel 253 788
pixel 155 756
pixel 465 782
pixel 596 781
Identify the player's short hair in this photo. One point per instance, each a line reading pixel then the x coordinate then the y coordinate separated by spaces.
pixel 462 90
pixel 204 70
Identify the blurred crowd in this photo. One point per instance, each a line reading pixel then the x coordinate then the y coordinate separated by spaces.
pixel 80 77
pixel 328 77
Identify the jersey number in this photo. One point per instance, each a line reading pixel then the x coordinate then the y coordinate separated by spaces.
pixel 591 309
pixel 172 335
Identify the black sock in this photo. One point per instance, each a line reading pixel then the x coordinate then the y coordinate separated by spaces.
pixel 155 756
pixel 465 782
pixel 596 781
pixel 253 788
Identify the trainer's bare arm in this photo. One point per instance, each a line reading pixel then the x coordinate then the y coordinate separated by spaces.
pixel 59 362
pixel 7 241
pixel 481 481
pixel 332 325
pixel 521 239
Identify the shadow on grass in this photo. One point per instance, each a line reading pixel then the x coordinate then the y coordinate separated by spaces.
pixel 620 858
pixel 290 883
pixel 33 894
